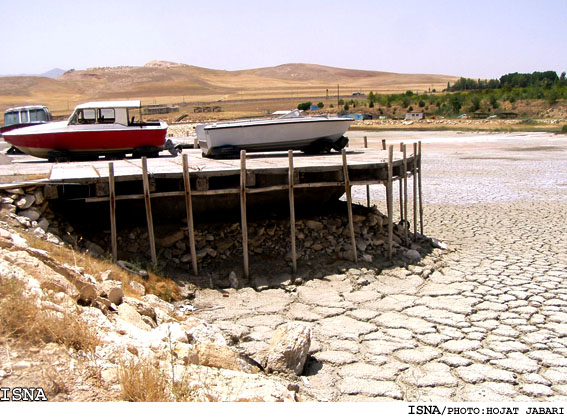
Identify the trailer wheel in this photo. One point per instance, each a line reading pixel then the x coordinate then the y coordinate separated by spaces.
pixel 340 143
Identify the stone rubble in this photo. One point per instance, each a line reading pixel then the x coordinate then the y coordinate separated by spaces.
pixel 219 246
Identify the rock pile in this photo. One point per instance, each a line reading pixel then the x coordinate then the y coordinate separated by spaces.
pixel 29 208
pixel 320 240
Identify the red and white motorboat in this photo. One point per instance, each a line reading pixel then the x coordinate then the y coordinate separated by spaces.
pixel 95 128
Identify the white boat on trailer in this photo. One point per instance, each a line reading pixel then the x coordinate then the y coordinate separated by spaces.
pixel 311 134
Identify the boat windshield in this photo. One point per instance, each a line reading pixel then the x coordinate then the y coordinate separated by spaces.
pixel 11 118
pixel 39 115
pixel 14 117
pixel 108 115
pixel 293 114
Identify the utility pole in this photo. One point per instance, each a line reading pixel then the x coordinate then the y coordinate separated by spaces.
pixel 338 96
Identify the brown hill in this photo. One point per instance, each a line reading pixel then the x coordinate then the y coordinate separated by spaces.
pixel 167 82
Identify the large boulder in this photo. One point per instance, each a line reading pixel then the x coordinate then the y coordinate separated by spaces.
pixel 129 314
pixel 288 348
pixel 111 290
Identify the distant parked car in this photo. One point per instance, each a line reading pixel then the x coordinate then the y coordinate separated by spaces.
pixel 463 116
pixel 492 117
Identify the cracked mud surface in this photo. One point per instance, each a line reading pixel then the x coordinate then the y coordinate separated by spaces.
pixel 483 321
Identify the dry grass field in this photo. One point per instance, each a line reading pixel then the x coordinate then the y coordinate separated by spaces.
pixel 239 93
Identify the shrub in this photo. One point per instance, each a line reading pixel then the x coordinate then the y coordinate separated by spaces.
pixel 304 106
pixel 141 381
pixel 564 129
pixel 21 317
pixel 320 105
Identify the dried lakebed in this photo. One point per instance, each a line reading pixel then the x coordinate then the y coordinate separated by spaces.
pixel 487 325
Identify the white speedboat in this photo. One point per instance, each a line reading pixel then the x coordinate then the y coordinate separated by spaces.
pixel 312 134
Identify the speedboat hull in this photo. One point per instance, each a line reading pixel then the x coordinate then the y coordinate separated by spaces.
pixel 58 138
pixel 300 133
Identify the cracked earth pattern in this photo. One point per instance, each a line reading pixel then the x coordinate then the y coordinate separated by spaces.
pixel 484 321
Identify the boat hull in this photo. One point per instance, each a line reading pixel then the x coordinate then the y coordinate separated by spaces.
pixel 271 135
pixel 44 141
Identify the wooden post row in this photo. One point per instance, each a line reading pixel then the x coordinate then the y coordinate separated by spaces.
pixel 389 198
pixel 349 206
pixel 148 204
pixel 112 197
pixel 419 187
pixel 367 186
pixel 292 211
pixel 405 178
pixel 414 170
pixel 244 223
pixel 189 209
pixel 401 194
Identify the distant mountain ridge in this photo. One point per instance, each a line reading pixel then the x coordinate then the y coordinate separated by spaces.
pixel 53 73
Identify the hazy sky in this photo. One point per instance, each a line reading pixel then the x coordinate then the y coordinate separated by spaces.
pixel 477 38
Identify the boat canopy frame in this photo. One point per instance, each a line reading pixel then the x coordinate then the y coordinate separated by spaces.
pixel 106 112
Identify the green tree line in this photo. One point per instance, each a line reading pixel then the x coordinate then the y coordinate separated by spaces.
pixel 469 96
pixel 543 79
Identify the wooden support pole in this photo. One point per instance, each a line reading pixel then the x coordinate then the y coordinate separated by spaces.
pixel 189 208
pixel 414 191
pixel 405 162
pixel 419 186
pixel 367 186
pixel 383 145
pixel 401 194
pixel 148 203
pixel 244 223
pixel 389 202
pixel 112 197
pixel 349 206
pixel 292 210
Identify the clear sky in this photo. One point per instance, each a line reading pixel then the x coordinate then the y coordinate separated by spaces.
pixel 477 39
